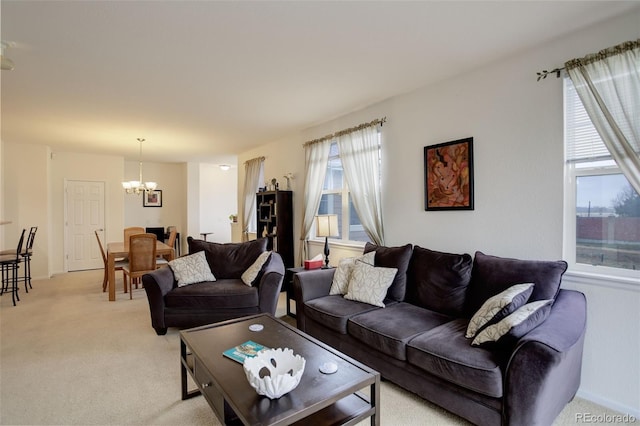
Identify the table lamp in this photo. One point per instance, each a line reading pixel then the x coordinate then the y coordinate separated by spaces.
pixel 327 226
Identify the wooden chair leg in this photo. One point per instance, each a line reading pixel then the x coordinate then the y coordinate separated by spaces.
pixel 104 280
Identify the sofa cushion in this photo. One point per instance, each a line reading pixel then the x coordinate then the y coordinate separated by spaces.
pixel 446 353
pixel 228 293
pixel 250 276
pixel 438 281
pixel 499 306
pixel 515 325
pixel 388 330
pixel 369 284
pixel 340 283
pixel 492 275
pixel 229 260
pixel 393 257
pixel 191 269
pixel 334 311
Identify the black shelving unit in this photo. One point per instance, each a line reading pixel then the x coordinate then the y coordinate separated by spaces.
pixel 274 210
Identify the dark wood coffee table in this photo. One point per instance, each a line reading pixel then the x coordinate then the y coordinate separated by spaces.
pixel 319 398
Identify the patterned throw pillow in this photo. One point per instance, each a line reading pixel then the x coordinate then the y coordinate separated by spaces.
pixel 340 283
pixel 250 275
pixel 191 269
pixel 369 284
pixel 516 325
pixel 498 307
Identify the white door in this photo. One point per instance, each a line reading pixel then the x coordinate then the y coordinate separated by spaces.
pixel 85 214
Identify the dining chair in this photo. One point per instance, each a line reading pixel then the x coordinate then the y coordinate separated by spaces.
pixel 176 243
pixel 10 263
pixel 142 259
pixel 164 260
pixel 119 264
pixel 132 230
pixel 128 232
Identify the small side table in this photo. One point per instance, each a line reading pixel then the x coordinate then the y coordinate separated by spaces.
pixel 204 235
pixel 290 273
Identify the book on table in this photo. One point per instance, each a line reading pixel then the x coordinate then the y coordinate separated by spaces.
pixel 245 350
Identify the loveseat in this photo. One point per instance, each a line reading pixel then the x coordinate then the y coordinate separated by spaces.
pixel 214 282
pixel 418 339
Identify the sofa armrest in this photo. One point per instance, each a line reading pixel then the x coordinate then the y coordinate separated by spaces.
pixel 157 284
pixel 543 373
pixel 271 283
pixel 309 285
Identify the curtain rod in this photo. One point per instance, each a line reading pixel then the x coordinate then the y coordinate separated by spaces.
pixel 602 54
pixel 375 122
pixel 544 73
pixel 253 159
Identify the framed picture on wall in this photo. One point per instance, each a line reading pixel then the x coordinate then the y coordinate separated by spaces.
pixel 152 198
pixel 448 171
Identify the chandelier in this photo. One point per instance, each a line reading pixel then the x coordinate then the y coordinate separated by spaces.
pixel 138 186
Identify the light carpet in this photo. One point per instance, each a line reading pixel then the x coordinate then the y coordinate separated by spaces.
pixel 68 356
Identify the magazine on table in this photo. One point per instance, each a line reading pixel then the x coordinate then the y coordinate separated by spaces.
pixel 245 350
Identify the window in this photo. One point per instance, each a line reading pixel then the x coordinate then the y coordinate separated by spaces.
pixel 337 200
pixel 602 210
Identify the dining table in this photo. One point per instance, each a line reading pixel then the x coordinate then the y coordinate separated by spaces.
pixel 117 250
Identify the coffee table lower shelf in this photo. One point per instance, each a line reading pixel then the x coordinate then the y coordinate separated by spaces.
pixel 347 411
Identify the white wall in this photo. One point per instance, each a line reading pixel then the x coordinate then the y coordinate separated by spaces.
pixel 88 167
pixel 281 157
pixel 517 126
pixel 210 199
pixel 37 198
pixel 2 213
pixel 170 179
pixel 25 170
pixel 193 200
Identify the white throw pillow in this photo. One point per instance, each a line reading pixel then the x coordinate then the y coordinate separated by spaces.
pixel 341 276
pixel 369 284
pixel 250 275
pixel 520 322
pixel 502 303
pixel 191 269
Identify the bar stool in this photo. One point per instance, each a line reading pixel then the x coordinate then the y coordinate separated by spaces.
pixel 10 264
pixel 25 257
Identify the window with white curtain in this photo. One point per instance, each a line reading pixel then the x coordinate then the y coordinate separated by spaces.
pixel 602 210
pixel 336 200
pixel 253 224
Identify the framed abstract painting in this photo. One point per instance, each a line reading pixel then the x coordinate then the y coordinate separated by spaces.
pixel 152 198
pixel 448 171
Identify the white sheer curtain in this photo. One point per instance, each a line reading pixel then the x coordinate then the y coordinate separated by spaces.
pixel 359 153
pixel 252 170
pixel 316 159
pixel 608 84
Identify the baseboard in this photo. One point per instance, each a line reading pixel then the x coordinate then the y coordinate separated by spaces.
pixel 613 405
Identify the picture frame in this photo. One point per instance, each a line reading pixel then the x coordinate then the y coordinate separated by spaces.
pixel 448 173
pixel 152 198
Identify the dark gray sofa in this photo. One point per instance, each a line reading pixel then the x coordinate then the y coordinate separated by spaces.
pixel 418 339
pixel 213 301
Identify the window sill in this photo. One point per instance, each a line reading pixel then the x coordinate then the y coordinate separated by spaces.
pixel 601 280
pixel 338 243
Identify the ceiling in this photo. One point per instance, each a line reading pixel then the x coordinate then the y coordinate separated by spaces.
pixel 206 80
